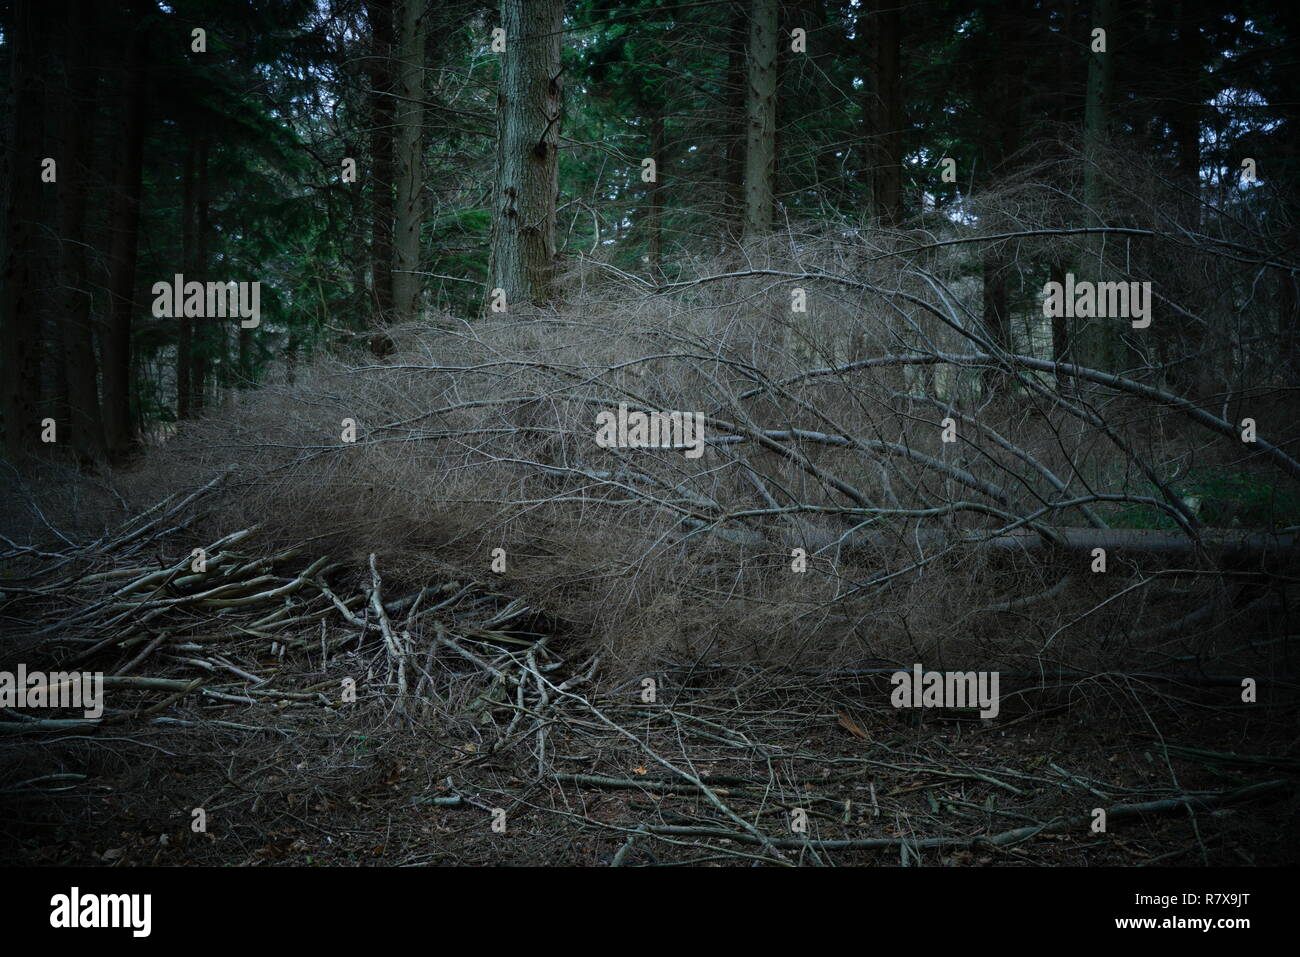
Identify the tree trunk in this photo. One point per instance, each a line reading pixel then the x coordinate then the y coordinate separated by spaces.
pixel 86 423
pixel 760 140
pixel 997 313
pixel 18 292
pixel 1097 342
pixel 864 34
pixel 1060 325
pixel 528 132
pixel 410 158
pixel 359 252
pixel 1009 21
pixel 733 154
pixel 380 15
pixel 244 360
pixel 203 335
pixel 119 427
pixel 887 179
pixel 1187 111
pixel 185 340
pixel 1067 62
pixel 1185 120
pixel 654 213
pixel 1242 548
pixel 53 394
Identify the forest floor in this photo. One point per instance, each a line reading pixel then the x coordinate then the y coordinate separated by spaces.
pixel 318 786
pixel 276 708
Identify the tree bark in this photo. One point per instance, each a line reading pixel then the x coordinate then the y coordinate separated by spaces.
pixel 734 156
pixel 380 15
pixel 528 132
pixel 1097 342
pixel 185 339
pixel 1185 120
pixel 887 179
pixel 203 335
pixel 1009 21
pixel 1067 62
pixel 410 158
pixel 86 425
pixel 654 212
pixel 19 324
pixel 244 357
pixel 997 307
pixel 760 131
pixel 119 427
pixel 864 34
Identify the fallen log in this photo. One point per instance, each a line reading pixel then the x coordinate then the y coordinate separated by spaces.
pixel 1237 546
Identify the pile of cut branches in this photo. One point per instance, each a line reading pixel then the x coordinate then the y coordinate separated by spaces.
pixel 218 621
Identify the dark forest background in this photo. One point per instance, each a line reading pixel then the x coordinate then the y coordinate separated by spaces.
pixel 226 164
